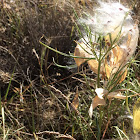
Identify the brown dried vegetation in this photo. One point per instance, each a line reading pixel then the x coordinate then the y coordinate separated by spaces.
pixel 32 99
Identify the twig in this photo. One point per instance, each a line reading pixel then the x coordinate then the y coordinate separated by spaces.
pixel 106 128
pixel 128 90
pixel 82 81
pixel 65 136
pixel 48 132
pixel 25 133
pixel 56 133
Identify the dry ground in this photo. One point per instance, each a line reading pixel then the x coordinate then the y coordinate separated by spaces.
pixel 36 94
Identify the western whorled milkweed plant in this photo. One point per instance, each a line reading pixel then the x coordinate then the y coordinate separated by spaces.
pixel 108 39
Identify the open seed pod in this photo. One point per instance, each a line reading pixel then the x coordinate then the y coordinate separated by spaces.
pixel 114 22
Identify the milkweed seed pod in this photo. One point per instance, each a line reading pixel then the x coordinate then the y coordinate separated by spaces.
pixel 114 22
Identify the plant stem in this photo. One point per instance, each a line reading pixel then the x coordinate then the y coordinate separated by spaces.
pixel 98 77
pixel 99 62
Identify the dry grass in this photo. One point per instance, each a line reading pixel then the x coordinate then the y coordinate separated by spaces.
pixel 36 102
